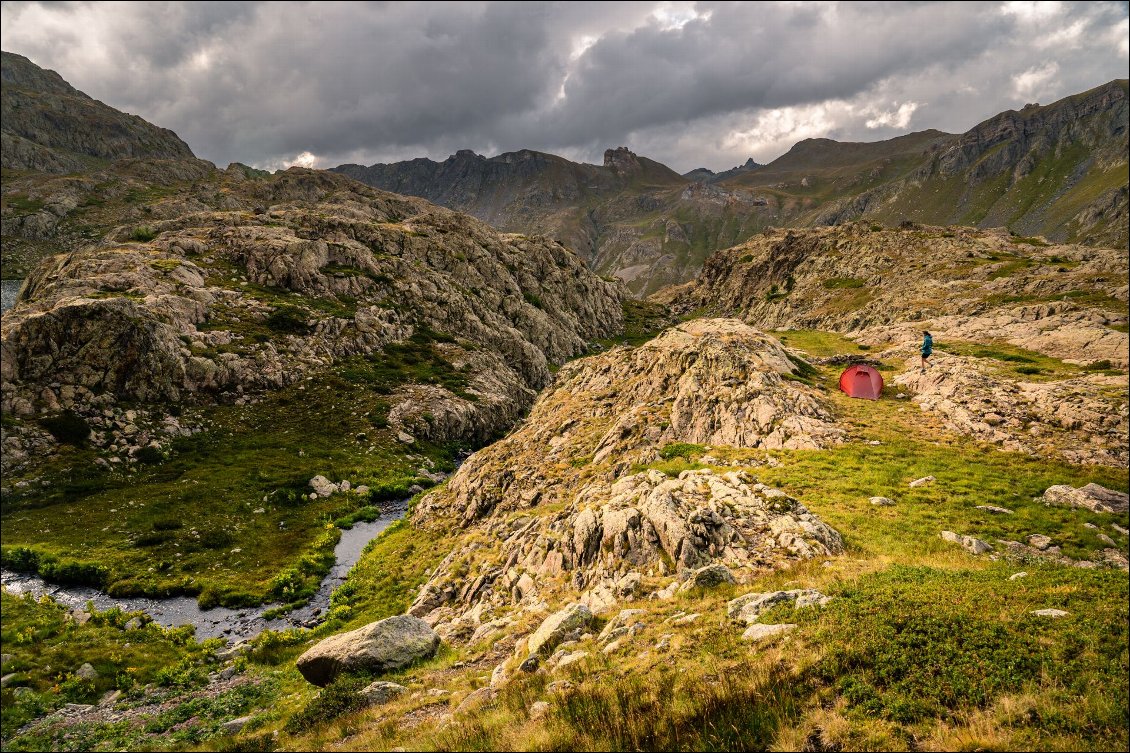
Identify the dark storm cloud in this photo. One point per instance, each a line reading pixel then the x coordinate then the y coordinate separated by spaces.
pixel 686 83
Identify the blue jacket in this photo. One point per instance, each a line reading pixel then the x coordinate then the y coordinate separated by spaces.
pixel 927 345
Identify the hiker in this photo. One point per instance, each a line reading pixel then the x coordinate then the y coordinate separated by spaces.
pixel 927 349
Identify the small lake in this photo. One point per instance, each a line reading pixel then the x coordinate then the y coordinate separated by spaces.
pixel 9 289
pixel 219 622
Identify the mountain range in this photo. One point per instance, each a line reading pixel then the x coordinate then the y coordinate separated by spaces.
pixel 1058 170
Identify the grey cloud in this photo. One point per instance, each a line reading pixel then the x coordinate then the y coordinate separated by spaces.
pixel 262 82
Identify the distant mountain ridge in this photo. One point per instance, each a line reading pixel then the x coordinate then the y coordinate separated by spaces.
pixel 1058 170
pixel 49 126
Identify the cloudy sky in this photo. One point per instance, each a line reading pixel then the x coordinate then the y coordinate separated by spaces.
pixel 690 84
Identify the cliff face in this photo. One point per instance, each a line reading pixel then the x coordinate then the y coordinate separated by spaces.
pixel 49 126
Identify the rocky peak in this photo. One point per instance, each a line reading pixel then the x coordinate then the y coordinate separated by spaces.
pixel 621 160
pixel 17 70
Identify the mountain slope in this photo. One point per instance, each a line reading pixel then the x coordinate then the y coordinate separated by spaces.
pixel 74 167
pixel 50 126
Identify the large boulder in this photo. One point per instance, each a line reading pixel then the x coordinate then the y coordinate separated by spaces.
pixel 555 627
pixel 383 646
pixel 1090 497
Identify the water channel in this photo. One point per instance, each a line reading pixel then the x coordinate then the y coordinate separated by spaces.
pixel 218 622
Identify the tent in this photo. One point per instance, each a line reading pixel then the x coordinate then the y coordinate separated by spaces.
pixel 860 380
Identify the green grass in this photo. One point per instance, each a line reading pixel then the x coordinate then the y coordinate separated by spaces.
pixel 1010 359
pixel 48 648
pixel 251 457
pixel 817 342
pixel 416 360
pixel 643 320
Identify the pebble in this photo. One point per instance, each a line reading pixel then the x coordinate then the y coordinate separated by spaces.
pixel 1053 613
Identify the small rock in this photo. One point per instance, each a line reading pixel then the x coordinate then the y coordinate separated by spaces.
pixel 559 686
pixel 1053 613
pixel 1018 576
pixel 572 658
pixel 614 646
pixel 499 676
pixel 87 671
pixel 687 619
pixel 1039 541
pixel 1107 540
pixel 969 543
pixel 554 628
pixel 994 508
pixel 757 631
pixel 882 501
pixel 380 692
pixel 1120 529
pixel 134 623
pixel 476 699
pixel 710 576
pixel 539 710
pixel 8 679
pixel 530 665
pixel 922 481
pixel 235 725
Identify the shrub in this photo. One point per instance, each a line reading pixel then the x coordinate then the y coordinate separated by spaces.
pixel 143 234
pixel 684 450
pixel 1103 365
pixel 150 455
pixel 288 320
pixel 1028 370
pixel 67 427
pixel 342 696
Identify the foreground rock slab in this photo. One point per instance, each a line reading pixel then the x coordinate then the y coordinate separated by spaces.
pixel 383 646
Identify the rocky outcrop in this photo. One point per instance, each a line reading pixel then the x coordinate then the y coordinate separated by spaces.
pixel 1091 497
pixel 1084 420
pixel 305 269
pixel 706 382
pixel 700 526
pixel 383 646
pixel 886 285
pixel 575 520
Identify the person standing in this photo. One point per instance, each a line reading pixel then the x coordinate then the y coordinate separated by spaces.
pixel 927 349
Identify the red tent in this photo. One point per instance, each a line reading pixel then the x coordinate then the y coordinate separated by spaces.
pixel 862 381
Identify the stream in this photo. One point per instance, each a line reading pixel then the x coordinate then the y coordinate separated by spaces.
pixel 9 289
pixel 218 622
